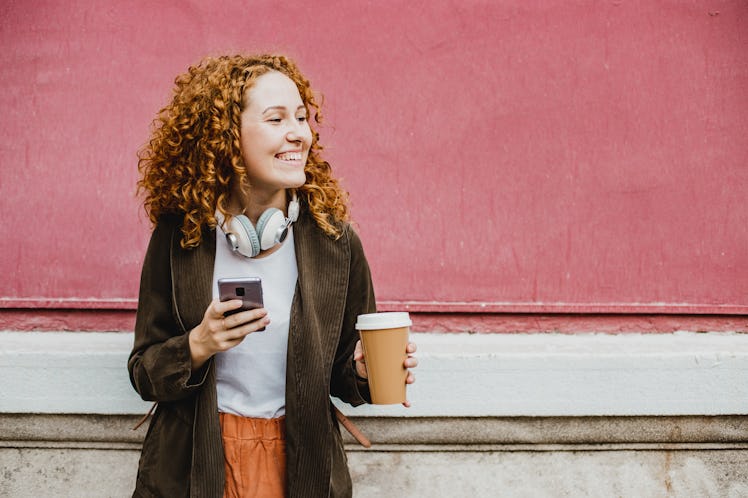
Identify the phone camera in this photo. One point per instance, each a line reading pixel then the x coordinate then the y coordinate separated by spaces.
pixel 240 291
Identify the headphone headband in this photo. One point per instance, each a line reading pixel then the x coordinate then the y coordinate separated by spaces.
pixel 272 229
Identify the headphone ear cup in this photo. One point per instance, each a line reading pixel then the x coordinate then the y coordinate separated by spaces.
pixel 247 239
pixel 267 226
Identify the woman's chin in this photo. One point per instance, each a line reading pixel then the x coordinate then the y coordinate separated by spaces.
pixel 297 181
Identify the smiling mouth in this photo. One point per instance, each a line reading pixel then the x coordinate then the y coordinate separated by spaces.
pixel 289 156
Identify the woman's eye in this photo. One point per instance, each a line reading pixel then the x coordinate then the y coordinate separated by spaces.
pixel 275 120
pixel 302 119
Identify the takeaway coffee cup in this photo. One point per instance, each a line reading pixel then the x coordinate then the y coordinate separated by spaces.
pixel 385 337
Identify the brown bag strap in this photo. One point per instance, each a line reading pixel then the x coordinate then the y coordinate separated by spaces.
pixel 351 427
pixel 145 417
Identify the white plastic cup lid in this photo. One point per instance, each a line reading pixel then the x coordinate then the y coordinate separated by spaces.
pixel 390 320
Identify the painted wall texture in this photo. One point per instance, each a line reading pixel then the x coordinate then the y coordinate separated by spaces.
pixel 506 158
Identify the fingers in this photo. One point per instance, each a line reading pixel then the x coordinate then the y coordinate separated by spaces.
pixel 223 332
pixel 411 361
pixel 411 378
pixel 358 352
pixel 257 317
pixel 240 325
pixel 220 308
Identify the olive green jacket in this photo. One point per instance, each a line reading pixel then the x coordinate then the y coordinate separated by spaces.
pixel 182 453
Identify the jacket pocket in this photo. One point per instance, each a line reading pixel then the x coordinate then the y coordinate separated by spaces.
pixel 166 458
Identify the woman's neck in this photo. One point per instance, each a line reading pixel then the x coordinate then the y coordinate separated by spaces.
pixel 253 204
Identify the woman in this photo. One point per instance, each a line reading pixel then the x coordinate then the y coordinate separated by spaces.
pixel 244 411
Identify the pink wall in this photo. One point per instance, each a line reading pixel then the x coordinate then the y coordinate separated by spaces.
pixel 518 157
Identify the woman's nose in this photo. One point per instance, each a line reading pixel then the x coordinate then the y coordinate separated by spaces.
pixel 295 132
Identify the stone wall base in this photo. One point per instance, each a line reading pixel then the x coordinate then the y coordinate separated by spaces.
pixel 97 455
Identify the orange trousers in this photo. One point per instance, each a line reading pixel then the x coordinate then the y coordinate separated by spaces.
pixel 254 452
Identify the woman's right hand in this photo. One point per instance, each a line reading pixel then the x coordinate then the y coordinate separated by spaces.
pixel 219 333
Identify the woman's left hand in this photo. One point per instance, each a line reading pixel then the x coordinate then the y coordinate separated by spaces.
pixel 410 362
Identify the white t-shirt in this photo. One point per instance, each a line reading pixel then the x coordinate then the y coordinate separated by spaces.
pixel 251 377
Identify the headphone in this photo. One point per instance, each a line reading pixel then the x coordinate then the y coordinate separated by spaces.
pixel 271 229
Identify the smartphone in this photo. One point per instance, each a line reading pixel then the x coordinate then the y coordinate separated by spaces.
pixel 248 289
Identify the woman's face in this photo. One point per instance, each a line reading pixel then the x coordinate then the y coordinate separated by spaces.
pixel 275 135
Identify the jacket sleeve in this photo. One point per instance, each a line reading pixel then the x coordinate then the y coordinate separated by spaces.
pixel 344 383
pixel 160 364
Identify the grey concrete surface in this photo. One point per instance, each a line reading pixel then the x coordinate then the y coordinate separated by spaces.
pixel 86 472
pixel 96 456
pixel 533 474
pixel 459 375
pixel 67 472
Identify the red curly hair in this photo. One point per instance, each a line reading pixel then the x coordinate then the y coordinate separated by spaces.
pixel 194 158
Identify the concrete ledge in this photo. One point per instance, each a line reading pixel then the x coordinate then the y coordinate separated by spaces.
pixel 460 375
pixel 419 433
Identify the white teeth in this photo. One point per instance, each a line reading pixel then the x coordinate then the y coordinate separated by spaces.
pixel 289 156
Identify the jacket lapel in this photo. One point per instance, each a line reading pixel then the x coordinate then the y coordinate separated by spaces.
pixel 192 283
pixel 192 278
pixel 322 287
pixel 316 320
